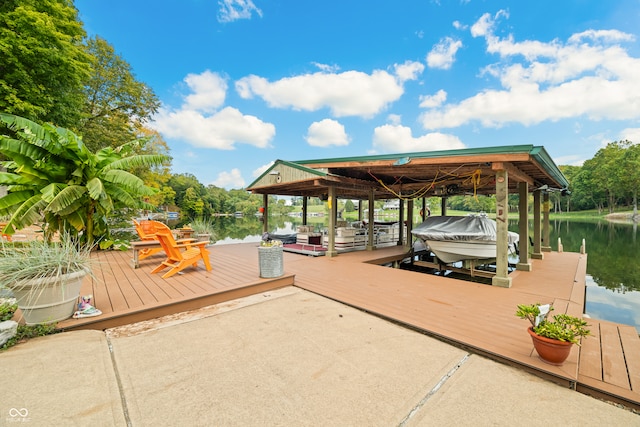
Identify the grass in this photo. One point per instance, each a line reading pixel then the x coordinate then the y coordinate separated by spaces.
pixel 27 332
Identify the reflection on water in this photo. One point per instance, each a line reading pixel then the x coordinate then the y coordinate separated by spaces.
pixel 613 284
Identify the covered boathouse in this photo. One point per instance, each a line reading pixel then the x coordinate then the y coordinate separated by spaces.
pixel 412 177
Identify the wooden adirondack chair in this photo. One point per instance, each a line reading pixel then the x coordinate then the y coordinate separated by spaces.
pixel 181 256
pixel 146 230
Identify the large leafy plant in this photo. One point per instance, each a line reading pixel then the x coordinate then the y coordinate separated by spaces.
pixel 52 177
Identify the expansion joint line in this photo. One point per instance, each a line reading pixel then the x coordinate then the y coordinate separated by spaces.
pixel 434 390
pixel 123 400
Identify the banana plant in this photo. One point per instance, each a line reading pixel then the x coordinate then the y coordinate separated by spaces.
pixel 52 179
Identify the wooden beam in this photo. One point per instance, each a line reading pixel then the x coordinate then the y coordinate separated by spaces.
pixel 514 173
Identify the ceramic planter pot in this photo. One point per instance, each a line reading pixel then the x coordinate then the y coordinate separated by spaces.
pixel 49 300
pixel 550 351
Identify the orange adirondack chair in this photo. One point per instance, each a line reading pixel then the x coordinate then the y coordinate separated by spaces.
pixel 180 256
pixel 147 231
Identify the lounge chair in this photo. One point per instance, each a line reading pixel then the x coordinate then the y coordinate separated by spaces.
pixel 146 230
pixel 180 256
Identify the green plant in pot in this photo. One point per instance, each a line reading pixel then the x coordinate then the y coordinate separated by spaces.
pixel 44 277
pixel 203 230
pixel 552 338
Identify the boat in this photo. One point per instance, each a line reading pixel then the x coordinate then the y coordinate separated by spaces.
pixel 458 238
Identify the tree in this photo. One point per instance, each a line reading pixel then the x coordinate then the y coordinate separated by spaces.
pixel 52 176
pixel 630 164
pixel 116 104
pixel 44 65
pixel 157 176
pixel 349 206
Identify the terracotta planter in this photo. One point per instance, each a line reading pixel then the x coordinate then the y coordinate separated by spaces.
pixel 550 351
pixel 49 300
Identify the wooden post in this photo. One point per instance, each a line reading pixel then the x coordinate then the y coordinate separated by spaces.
pixel 523 227
pixel 502 278
pixel 424 209
pixel 537 236
pixel 546 238
pixel 401 223
pixel 409 222
pixel 370 242
pixel 305 206
pixel 443 206
pixel 265 214
pixel 333 214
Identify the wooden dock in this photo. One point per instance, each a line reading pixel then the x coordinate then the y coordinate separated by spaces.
pixel 474 316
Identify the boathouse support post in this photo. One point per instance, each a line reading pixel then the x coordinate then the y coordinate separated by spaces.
pixel 424 209
pixel 409 222
pixel 546 238
pixel 443 206
pixel 537 236
pixel 265 214
pixel 401 223
pixel 305 206
pixel 370 236
pixel 502 278
pixel 333 215
pixel 523 227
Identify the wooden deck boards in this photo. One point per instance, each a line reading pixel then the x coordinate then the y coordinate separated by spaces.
pixel 475 316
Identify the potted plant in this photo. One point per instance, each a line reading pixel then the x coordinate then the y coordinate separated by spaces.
pixel 203 230
pixel 44 277
pixel 552 338
pixel 270 258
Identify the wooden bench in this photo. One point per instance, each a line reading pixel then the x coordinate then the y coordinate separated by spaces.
pixel 141 245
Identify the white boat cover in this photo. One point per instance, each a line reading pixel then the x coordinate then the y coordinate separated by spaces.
pixel 460 228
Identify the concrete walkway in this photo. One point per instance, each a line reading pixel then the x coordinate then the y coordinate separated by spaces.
pixel 287 357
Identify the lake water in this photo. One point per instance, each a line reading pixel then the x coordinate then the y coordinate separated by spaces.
pixel 613 268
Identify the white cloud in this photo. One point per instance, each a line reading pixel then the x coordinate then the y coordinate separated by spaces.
pixel 229 180
pixel 486 24
pixel 394 119
pixel 209 91
pixel 260 170
pixel 443 54
pixel 431 101
pixel 459 25
pixel 326 67
pixel 608 36
pixel 630 134
pixel 199 122
pixel 549 82
pixel 221 130
pixel 327 133
pixel 409 70
pixel 398 139
pixel 232 10
pixel 351 93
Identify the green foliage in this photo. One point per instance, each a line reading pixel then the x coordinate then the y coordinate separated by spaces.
pixel 53 178
pixel 8 306
pixel 38 259
pixel 116 104
pixel 204 226
pixel 27 332
pixel 44 65
pixel 563 327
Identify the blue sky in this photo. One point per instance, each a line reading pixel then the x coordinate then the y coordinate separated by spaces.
pixel 245 82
